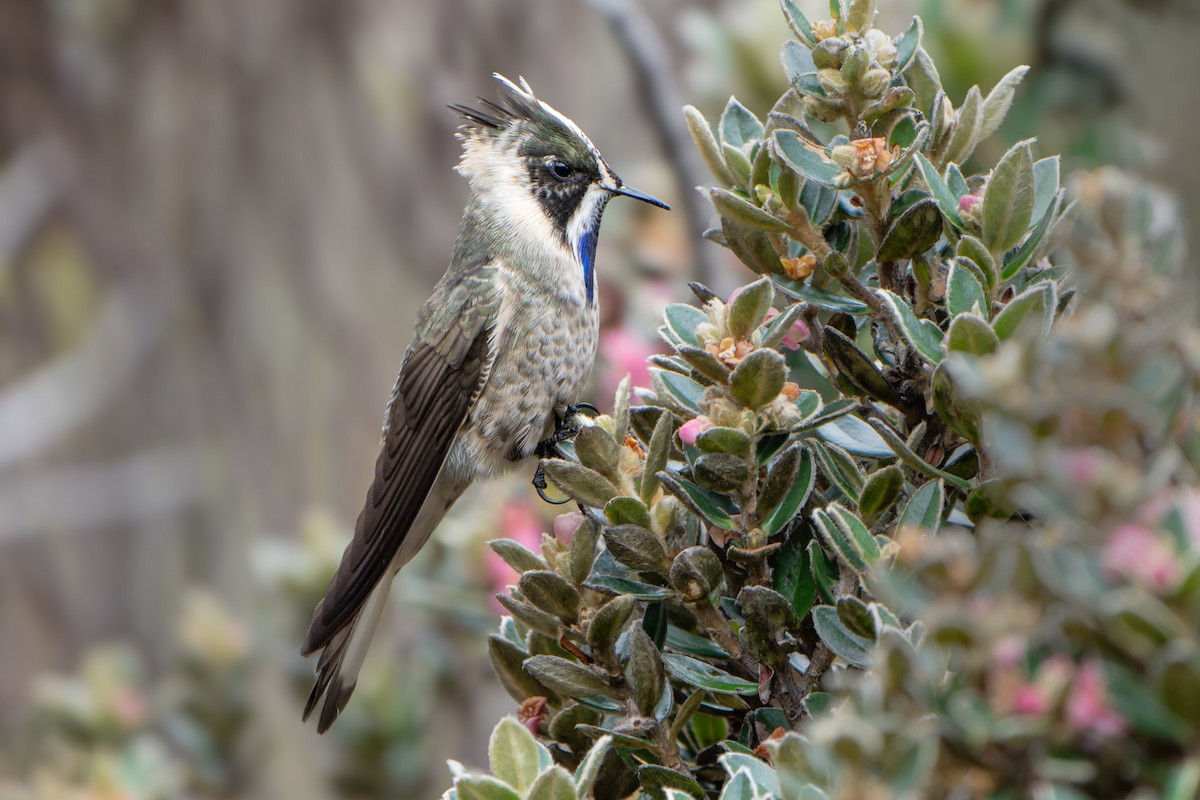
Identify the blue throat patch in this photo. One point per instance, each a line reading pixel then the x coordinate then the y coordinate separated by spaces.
pixel 587 257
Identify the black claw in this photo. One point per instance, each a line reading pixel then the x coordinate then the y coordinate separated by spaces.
pixel 539 483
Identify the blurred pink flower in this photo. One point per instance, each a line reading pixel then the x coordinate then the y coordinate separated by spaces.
pixel 689 430
pixel 1031 699
pixel 1081 465
pixel 565 526
pixel 519 523
pixel 1088 710
pixel 1008 651
pixel 968 204
pixel 1136 553
pixel 624 354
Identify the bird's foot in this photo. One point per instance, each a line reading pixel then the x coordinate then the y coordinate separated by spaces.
pixel 549 448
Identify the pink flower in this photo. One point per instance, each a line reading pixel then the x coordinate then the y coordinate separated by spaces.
pixel 968 204
pixel 689 430
pixel 519 523
pixel 565 525
pixel 1134 552
pixel 1082 465
pixel 1030 699
pixel 624 354
pixel 1088 710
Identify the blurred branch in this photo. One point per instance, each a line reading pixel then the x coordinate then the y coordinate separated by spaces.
pixel 67 393
pixel 28 189
pixel 150 485
pixel 647 52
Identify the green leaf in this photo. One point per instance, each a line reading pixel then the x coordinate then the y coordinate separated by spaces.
pixel 792 577
pixel 907 43
pixel 924 508
pixel 797 61
pixel 740 787
pixel 682 320
pixel 565 677
pixel 880 490
pixel 516 556
pixel 759 378
pixel 693 644
pixel 1034 306
pixel 942 194
pixel 553 784
pixel 820 298
pixel 513 754
pixel 1008 199
pixel 972 249
pixel 925 339
pixel 850 647
pixel 961 413
pixel 685 391
pixel 483 787
pixel 971 334
pixel 731 206
pixel 795 498
pixel 855 437
pixel 794 154
pixel 914 232
pixel 798 23
pixel 749 308
pixel 908 457
pixel 627 511
pixel 840 467
pixel 696 499
pixel 998 101
pixel 956 181
pixel 965 137
pixel 658 451
pixel 585 485
pixel 707 144
pixel 847 536
pixel 964 293
pixel 854 366
pixel 612 584
pixel 656 780
pixel 763 776
pixel 706 676
pixel 1033 242
pixel 922 77
pixel 589 768
pixel 1046 182
pixel 738 126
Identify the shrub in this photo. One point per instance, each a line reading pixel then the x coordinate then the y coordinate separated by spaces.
pixel 912 514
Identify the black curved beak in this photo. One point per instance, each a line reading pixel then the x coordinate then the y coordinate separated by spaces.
pixel 629 191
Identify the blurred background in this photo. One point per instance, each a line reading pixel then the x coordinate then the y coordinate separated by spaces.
pixel 217 221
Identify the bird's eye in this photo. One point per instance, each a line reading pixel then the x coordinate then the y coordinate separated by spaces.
pixel 560 169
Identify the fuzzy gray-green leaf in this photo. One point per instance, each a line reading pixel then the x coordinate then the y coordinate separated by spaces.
pixel 1008 199
pixel 971 334
pixel 565 677
pixel 750 307
pixel 636 547
pixel 658 451
pixel 759 378
pixel 707 144
pixel 856 368
pixel 926 339
pixel 880 491
pixel 914 232
pixel 585 485
pixel 705 676
pixel 551 593
pixel 739 209
pixel 792 151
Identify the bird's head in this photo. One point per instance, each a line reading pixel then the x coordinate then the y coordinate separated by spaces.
pixel 520 149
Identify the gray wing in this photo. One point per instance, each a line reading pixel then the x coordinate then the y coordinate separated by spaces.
pixel 444 370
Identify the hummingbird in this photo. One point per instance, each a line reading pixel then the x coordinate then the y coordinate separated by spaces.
pixel 499 355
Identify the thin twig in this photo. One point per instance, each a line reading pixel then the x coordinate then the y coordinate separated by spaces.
pixel 640 39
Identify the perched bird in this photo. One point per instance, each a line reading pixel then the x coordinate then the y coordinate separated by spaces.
pixel 500 353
